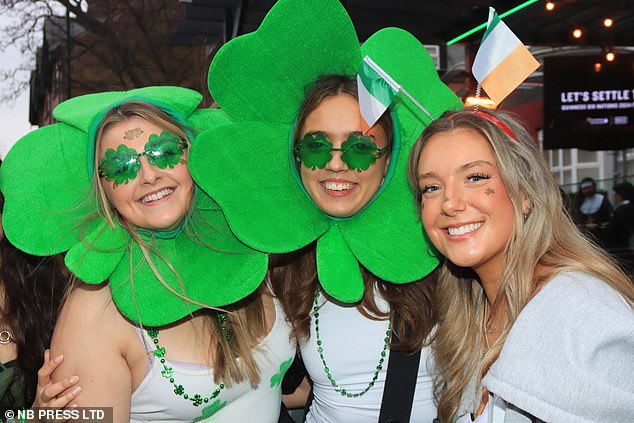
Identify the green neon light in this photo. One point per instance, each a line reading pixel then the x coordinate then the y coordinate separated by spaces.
pixel 484 25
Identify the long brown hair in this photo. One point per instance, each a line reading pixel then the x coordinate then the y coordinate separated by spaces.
pixel 233 359
pixel 294 281
pixel 294 275
pixel 546 238
pixel 31 289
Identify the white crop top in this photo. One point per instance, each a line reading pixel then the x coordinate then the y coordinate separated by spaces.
pixel 155 401
pixel 352 346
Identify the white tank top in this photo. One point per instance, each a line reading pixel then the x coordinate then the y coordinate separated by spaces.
pixel 352 347
pixel 155 401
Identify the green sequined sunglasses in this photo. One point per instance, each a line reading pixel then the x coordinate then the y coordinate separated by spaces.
pixel 123 164
pixel 359 151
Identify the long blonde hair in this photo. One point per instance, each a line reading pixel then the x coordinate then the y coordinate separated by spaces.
pixel 245 319
pixel 546 238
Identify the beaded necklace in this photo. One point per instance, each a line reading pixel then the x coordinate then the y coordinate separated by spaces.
pixel 168 372
pixel 320 349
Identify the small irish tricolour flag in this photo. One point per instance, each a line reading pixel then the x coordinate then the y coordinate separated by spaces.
pixel 376 91
pixel 502 61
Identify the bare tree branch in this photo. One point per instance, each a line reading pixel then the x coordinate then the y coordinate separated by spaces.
pixel 114 44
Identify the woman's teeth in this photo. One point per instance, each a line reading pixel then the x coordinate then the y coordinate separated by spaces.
pixel 157 195
pixel 464 229
pixel 337 186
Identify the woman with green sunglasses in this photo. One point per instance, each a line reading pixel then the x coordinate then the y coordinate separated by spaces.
pixel 340 166
pixel 171 321
pixel 328 198
pixel 346 347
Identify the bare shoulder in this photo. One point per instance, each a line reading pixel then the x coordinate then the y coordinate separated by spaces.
pixel 90 315
pixel 88 310
pixel 85 300
pixel 92 335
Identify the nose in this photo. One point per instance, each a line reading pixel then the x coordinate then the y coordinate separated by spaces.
pixel 148 173
pixel 453 201
pixel 336 164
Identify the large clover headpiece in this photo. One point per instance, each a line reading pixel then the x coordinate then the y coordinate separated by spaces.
pixel 50 208
pixel 259 80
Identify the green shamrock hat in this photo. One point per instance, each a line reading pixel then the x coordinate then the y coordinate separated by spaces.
pixel 260 79
pixel 50 208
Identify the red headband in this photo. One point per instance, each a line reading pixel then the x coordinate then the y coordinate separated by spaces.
pixel 492 119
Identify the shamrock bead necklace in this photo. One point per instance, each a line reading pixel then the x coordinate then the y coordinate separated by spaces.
pixel 320 349
pixel 168 371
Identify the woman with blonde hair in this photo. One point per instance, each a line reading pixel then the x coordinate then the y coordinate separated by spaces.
pixel 536 322
pixel 171 321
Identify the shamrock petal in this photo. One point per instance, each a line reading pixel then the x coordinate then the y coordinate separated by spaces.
pixel 202 119
pixel 101 251
pixel 46 190
pixel 262 75
pixel 82 111
pixel 338 269
pixel 224 271
pixel 262 200
pixel 387 238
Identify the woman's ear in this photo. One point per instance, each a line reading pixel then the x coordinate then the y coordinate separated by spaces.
pixel 527 205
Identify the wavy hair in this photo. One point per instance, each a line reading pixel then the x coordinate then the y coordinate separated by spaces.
pixel 32 289
pixel 546 238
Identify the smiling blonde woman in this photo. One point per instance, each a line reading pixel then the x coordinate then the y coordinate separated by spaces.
pixel 536 322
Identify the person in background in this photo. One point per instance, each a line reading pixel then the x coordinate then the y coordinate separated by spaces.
pixel 31 291
pixel 536 322
pixel 620 226
pixel 592 208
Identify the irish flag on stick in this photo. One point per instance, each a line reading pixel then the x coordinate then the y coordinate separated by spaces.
pixel 377 90
pixel 502 61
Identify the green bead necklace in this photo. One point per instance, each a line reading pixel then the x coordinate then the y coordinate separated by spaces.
pixel 320 349
pixel 168 371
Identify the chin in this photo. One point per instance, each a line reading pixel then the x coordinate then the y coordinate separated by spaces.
pixel 339 213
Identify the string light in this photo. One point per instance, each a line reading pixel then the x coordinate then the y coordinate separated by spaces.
pixel 480 101
pixel 607 22
pixel 577 33
pixel 597 67
pixel 609 56
pixel 550 5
